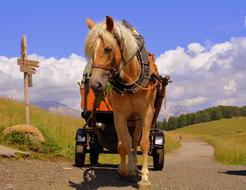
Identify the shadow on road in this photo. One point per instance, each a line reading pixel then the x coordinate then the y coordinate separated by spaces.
pixel 104 176
pixel 235 172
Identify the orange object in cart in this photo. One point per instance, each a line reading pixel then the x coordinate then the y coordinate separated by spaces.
pixel 87 99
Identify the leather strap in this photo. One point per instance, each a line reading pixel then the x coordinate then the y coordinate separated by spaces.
pixel 100 66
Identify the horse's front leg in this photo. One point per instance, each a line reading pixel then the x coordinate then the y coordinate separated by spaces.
pixel 136 140
pixel 120 126
pixel 145 145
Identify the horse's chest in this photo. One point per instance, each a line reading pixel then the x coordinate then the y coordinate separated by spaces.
pixel 129 104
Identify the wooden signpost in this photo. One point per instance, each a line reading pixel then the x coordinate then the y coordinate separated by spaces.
pixel 28 67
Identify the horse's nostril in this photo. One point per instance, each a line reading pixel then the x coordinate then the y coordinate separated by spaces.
pixel 97 87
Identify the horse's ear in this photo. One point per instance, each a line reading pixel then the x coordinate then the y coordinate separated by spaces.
pixel 109 23
pixel 89 23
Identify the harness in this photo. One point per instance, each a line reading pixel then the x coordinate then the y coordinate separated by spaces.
pixel 145 76
pixel 142 55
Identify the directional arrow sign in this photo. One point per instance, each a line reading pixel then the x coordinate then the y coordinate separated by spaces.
pixel 28 62
pixel 27 69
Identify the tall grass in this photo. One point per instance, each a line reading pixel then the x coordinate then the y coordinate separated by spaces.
pixel 172 142
pixel 228 152
pixel 226 135
pixel 58 130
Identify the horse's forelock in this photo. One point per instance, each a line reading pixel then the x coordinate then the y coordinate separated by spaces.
pixel 127 40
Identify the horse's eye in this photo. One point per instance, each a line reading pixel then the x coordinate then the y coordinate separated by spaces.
pixel 107 50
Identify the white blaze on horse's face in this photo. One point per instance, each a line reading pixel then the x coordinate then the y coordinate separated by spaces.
pixel 102 62
pixel 105 56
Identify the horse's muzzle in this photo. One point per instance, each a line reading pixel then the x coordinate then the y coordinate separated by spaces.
pixel 97 87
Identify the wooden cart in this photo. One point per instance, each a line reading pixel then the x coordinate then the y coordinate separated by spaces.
pixel 102 137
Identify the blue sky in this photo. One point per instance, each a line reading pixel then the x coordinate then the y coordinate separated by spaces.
pixel 56 28
pixel 201 44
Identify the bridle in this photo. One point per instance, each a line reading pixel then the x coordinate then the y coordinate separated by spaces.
pixel 112 69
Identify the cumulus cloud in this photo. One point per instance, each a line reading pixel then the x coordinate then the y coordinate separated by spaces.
pixel 201 76
pixel 226 101
pixel 231 86
pixel 56 79
pixel 195 48
pixel 205 77
pixel 193 101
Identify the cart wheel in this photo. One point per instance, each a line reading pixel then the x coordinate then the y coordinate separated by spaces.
pixel 158 159
pixel 95 149
pixel 94 157
pixel 80 151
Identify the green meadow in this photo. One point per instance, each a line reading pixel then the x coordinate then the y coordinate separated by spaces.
pixel 58 130
pixel 228 137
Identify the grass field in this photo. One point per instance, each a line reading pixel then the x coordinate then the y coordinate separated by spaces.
pixel 228 136
pixel 58 131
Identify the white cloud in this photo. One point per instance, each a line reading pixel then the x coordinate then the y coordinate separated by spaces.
pixel 201 76
pixel 56 79
pixel 231 86
pixel 226 102
pixel 195 48
pixel 178 91
pixel 215 74
pixel 193 101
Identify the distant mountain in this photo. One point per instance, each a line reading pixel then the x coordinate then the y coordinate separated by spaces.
pixel 57 107
pixel 172 111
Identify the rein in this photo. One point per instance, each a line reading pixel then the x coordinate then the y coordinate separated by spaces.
pixel 100 66
pixel 113 72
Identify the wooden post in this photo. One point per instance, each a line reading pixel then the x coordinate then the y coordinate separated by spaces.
pixel 29 68
pixel 26 90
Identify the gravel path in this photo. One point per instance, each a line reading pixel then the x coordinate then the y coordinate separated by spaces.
pixel 190 167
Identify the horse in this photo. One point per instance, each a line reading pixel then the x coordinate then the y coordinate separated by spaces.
pixel 112 48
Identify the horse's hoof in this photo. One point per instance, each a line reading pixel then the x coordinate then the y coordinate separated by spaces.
pixel 123 173
pixel 132 172
pixel 144 185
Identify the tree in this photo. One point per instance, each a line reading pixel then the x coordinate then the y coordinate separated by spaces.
pixel 172 123
pixel 188 119
pixel 236 111
pixel 194 118
pixel 217 114
pixel 228 112
pixel 159 125
pixel 199 117
pixel 206 116
pixel 181 121
pixel 242 111
pixel 164 124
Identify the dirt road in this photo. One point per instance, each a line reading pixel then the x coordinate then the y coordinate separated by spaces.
pixel 190 167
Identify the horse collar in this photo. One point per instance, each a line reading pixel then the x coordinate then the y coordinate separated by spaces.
pixel 120 87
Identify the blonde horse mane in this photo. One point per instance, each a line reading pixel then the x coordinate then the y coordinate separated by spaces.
pixel 127 41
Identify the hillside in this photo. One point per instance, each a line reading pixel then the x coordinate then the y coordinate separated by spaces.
pixel 58 130
pixel 226 135
pixel 57 107
pixel 202 116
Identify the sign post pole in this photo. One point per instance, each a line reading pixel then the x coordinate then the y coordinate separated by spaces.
pixel 29 68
